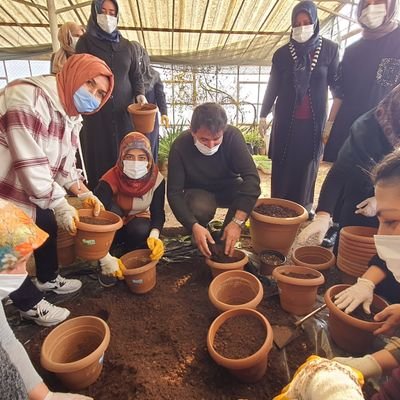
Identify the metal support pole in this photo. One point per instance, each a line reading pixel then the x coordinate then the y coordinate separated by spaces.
pixel 51 10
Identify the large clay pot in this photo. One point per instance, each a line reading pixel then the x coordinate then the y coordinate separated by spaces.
pixel 74 351
pixel 95 234
pixel 249 369
pixel 220 267
pixel 140 273
pixel 351 334
pixel 65 248
pixel 272 233
pixel 235 289
pixel 143 116
pixel 297 295
pixel 315 257
pixel 266 266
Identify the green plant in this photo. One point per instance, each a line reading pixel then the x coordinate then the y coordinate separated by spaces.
pixel 251 135
pixel 168 138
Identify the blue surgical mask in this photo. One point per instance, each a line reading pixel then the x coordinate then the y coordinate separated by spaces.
pixel 84 101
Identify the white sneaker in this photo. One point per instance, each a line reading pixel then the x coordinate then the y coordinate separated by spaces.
pixel 59 285
pixel 46 314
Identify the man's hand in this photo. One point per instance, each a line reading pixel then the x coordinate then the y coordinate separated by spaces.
pixel 367 207
pixel 391 317
pixel 230 236
pixel 201 236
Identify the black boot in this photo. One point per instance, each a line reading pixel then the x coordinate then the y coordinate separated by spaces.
pixel 331 236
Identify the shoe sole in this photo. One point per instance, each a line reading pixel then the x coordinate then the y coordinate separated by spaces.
pixel 105 285
pixel 41 323
pixel 57 291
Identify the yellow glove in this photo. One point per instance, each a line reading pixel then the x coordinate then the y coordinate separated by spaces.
pixel 165 120
pixel 156 246
pixel 121 270
pixel 89 200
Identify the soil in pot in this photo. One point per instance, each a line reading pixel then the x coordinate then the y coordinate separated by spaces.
pixel 218 255
pixel 239 337
pixel 271 259
pixel 276 211
pixel 300 276
pixel 94 220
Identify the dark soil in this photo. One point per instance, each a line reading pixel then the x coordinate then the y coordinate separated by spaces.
pixel 239 337
pixel 300 276
pixel 360 314
pixel 95 220
pixel 217 254
pixel 273 210
pixel 271 259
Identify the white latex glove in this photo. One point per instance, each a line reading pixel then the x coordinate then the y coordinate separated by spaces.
pixel 66 396
pixel 262 126
pixel 89 200
pixel 361 292
pixel 318 227
pixel 367 365
pixel 327 131
pixel 66 216
pixel 109 265
pixel 141 99
pixel 367 207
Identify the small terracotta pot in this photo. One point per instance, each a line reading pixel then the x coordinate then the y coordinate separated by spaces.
pixel 93 240
pixel 74 351
pixel 235 289
pixel 65 248
pixel 351 334
pixel 315 257
pixel 143 116
pixel 266 267
pixel 140 274
pixel 219 267
pixel 250 369
pixel 297 295
pixel 272 233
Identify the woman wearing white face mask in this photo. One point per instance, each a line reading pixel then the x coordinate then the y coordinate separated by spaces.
pixel 301 73
pixel 134 189
pixel 112 123
pixel 68 36
pixel 19 236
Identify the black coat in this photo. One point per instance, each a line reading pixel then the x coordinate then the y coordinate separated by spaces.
pixel 281 88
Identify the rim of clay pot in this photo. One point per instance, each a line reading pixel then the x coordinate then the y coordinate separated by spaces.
pixel 276 253
pixel 303 213
pixel 231 265
pixel 240 363
pixel 71 327
pixel 140 253
pixel 348 247
pixel 358 269
pixel 363 234
pixel 359 246
pixel 115 221
pixel 277 273
pixel 235 279
pixel 144 109
pixel 364 325
pixel 326 257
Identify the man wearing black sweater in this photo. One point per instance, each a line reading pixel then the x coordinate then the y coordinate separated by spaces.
pixel 209 166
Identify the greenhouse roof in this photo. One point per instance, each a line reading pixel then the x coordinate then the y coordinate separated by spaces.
pixel 224 32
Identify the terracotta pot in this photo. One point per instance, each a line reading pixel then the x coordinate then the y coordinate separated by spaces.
pixel 143 116
pixel 65 248
pixel 315 257
pixel 93 240
pixel 74 351
pixel 352 268
pixel 140 275
pixel 235 289
pixel 297 295
pixel 271 233
pixel 266 267
pixel 249 369
pixel 219 267
pixel 351 334
pixel 360 234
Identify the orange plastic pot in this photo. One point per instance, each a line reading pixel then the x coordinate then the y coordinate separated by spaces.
pixel 143 116
pixel 219 267
pixel 140 273
pixel 250 369
pixel 75 349
pixel 235 289
pixel 297 295
pixel 95 234
pixel 272 233
pixel 315 257
pixel 351 334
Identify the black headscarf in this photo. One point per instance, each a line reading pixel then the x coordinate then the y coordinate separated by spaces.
pixel 302 65
pixel 93 27
pixel 149 74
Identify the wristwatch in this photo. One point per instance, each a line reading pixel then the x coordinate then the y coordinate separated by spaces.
pixel 239 222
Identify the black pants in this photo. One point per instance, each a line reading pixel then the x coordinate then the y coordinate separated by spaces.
pixel 134 234
pixel 28 295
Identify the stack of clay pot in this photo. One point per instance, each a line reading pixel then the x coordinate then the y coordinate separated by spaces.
pixel 65 248
pixel 356 247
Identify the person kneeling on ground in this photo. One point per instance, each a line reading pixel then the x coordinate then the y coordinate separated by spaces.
pixel 135 190
pixel 19 237
pixel 209 166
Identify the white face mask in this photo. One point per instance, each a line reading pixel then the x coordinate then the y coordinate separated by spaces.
pixel 373 15
pixel 203 149
pixel 107 22
pixel 9 283
pixel 74 41
pixel 135 169
pixel 388 248
pixel 302 33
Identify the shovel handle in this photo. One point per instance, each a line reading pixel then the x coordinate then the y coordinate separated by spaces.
pixel 305 318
